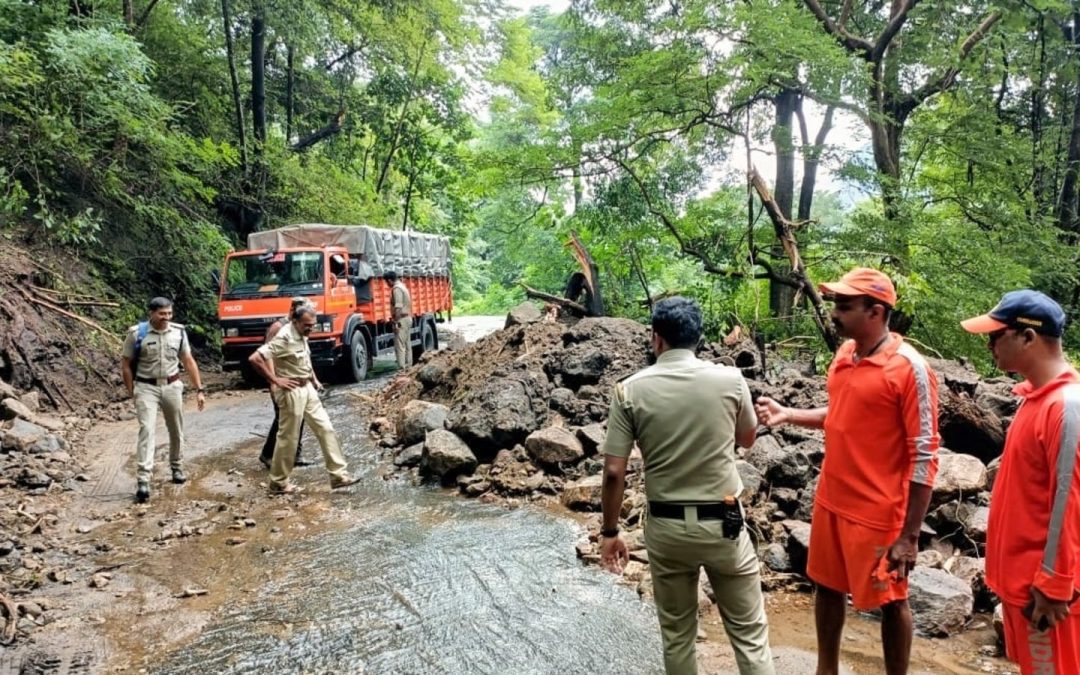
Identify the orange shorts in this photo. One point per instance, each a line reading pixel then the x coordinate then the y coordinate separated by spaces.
pixel 844 557
pixel 1053 651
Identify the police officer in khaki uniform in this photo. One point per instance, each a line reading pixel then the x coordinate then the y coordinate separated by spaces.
pixel 401 310
pixel 686 415
pixel 154 383
pixel 285 362
pixel 271 436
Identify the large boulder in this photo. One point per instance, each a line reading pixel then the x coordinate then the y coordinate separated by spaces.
pixel 752 479
pixel 498 414
pixel 783 467
pixel 958 475
pixel 523 314
pixel 584 494
pixel 940 602
pixel 591 437
pixel 419 417
pixel 446 456
pixel 22 436
pixel 554 446
pixel 798 547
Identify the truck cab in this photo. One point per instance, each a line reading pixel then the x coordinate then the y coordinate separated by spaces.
pixel 351 299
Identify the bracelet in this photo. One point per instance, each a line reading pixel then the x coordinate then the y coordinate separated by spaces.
pixel 613 532
pixel 200 390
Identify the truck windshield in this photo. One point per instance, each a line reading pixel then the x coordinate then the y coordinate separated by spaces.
pixel 261 274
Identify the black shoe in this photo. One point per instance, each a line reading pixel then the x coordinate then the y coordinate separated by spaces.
pixel 265 462
pixel 142 495
pixel 178 476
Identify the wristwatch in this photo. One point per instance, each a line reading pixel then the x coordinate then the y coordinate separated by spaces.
pixel 200 390
pixel 613 532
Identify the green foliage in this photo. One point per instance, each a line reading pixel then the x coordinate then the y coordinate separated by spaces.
pixel 619 120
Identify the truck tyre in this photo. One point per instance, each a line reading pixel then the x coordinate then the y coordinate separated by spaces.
pixel 427 341
pixel 359 357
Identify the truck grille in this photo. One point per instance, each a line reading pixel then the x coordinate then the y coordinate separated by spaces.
pixel 255 327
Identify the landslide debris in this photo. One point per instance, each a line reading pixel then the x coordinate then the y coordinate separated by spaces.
pixel 529 402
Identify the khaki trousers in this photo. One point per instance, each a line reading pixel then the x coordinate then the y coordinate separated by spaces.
pixel 303 405
pixel 678 549
pixel 169 398
pixel 402 346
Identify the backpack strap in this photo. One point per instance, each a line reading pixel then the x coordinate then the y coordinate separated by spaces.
pixel 140 335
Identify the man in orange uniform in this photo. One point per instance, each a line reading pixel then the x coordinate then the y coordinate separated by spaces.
pixel 881 446
pixel 1033 536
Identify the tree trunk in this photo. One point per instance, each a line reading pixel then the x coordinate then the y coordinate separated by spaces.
pixel 238 106
pixel 258 76
pixel 1067 201
pixel 782 296
pixel 289 93
pixel 811 161
pixel 395 140
pixel 129 15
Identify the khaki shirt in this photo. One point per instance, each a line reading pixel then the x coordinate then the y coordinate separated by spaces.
pixel 683 413
pixel 401 301
pixel 161 351
pixel 290 353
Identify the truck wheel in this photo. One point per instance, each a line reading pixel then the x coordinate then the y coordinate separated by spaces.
pixel 427 341
pixel 359 358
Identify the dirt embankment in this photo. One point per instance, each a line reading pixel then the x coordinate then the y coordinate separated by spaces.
pixel 518 417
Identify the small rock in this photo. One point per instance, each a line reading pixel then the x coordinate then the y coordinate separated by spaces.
pixel 31 609
pixel 584 494
pixel 591 437
pixel 798 543
pixel 417 418
pixel 192 592
pixel 553 446
pixel 445 455
pixel 410 456
pixel 235 541
pixel 776 558
pixel 100 580
pixel 958 475
pixel 940 602
pixel 929 558
pixel 523 314
pixel 31 400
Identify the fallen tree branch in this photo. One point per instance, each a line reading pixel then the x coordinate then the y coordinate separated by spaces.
pixel 330 129
pixel 60 310
pixel 574 307
pixel 12 619
pixel 785 233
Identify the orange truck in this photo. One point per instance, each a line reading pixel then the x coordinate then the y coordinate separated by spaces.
pixel 340 269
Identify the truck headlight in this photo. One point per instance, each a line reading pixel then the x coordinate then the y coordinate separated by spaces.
pixel 326 327
pixel 232 332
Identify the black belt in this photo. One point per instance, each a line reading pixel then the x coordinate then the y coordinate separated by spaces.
pixel 159 381
pixel 710 511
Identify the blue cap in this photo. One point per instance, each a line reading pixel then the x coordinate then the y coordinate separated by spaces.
pixel 1021 309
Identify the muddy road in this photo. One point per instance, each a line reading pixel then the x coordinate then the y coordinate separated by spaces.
pixel 216 576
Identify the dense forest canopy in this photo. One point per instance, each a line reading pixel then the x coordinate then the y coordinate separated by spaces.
pixel 937 140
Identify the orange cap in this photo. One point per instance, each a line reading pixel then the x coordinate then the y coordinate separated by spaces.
pixel 863 281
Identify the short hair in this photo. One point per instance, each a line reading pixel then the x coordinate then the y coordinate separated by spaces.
pixel 159 303
pixel 303 310
pixel 678 321
pixel 869 302
pixel 390 275
pixel 297 301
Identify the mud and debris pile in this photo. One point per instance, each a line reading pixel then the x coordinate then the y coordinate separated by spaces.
pixel 35 467
pixel 519 416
